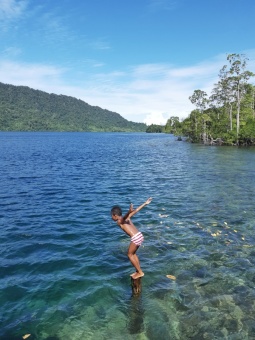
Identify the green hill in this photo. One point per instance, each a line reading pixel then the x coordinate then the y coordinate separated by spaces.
pixel 26 109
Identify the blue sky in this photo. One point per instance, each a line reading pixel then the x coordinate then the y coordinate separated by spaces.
pixel 140 58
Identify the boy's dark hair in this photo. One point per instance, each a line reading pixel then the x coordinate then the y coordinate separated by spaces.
pixel 116 210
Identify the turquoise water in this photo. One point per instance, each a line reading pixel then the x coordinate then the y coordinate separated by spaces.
pixel 64 270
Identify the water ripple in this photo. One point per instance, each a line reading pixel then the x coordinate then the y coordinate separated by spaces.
pixel 64 268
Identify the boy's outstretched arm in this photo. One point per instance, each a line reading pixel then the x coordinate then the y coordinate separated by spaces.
pixel 133 211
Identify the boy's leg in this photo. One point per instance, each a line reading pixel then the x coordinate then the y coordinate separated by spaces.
pixel 134 260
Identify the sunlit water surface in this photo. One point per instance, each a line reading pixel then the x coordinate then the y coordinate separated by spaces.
pixel 64 269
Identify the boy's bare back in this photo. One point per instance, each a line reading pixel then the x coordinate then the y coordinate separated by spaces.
pixel 125 221
pixel 128 226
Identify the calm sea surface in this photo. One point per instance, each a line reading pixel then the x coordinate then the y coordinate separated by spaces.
pixel 64 271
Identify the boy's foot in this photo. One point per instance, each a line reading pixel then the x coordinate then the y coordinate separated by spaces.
pixel 133 274
pixel 137 275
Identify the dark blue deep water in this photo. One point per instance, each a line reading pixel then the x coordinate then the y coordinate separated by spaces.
pixel 64 271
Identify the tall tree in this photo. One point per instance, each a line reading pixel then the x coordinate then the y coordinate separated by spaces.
pixel 223 96
pixel 199 98
pixel 230 117
pixel 172 125
pixel 253 102
pixel 237 77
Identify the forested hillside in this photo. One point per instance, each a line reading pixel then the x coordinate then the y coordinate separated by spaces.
pixel 26 109
pixel 227 116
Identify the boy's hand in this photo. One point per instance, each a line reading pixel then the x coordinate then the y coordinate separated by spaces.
pixel 131 208
pixel 148 201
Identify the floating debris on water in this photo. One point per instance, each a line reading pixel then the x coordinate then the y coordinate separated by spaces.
pixel 163 216
pixel 217 233
pixel 26 336
pixel 172 277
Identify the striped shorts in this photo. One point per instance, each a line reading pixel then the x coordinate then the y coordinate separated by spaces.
pixel 137 239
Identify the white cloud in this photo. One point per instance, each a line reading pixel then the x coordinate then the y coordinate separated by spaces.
pixel 150 93
pixel 11 9
pixel 156 118
pixel 33 75
pixel 100 45
pixel 11 51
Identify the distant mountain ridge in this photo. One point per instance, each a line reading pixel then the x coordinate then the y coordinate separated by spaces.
pixel 25 109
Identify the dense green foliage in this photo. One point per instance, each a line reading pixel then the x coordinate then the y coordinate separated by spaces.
pixel 154 128
pixel 173 125
pixel 25 109
pixel 228 115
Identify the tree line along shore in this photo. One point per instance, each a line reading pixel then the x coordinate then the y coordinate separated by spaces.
pixel 226 116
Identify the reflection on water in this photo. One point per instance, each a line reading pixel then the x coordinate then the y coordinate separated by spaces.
pixel 65 273
pixel 135 315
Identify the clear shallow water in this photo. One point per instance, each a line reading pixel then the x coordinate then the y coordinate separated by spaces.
pixel 64 272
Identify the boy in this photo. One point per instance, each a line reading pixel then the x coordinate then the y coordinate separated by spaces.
pixel 136 237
